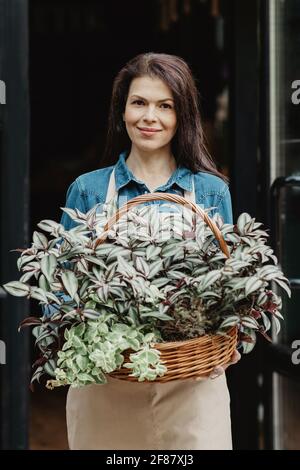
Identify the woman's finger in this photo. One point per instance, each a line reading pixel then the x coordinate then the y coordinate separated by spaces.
pixel 216 372
pixel 236 356
pixel 219 370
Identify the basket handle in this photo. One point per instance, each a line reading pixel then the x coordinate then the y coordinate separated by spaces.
pixel 166 197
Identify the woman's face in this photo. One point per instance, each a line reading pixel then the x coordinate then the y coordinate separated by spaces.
pixel 150 115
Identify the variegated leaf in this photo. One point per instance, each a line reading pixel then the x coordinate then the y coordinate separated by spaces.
pixel 210 278
pixel 284 286
pixel 40 241
pixel 48 266
pixel 70 283
pixel 17 288
pixel 252 285
pixel 142 265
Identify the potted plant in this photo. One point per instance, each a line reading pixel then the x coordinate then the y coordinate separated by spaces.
pixel 114 294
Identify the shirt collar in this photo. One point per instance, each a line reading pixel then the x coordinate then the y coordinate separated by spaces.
pixel 182 176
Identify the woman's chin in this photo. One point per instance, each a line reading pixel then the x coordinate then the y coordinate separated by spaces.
pixel 147 146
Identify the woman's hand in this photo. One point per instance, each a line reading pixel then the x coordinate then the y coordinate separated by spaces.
pixel 219 370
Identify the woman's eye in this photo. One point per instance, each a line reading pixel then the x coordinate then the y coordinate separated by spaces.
pixel 163 105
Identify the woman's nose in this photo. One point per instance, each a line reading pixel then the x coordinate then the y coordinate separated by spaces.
pixel 150 114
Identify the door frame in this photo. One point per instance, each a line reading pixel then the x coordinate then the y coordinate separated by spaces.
pixel 14 154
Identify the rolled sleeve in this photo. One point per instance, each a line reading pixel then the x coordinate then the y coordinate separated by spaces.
pixel 74 200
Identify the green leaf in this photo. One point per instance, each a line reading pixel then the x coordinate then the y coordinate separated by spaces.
pixel 25 277
pixel 104 249
pixel 79 329
pixel 83 288
pixel 49 225
pixel 43 283
pixel 40 241
pixel 155 267
pixel 125 268
pixel 253 284
pixel 23 260
pixel 169 250
pixel 236 283
pixel 82 362
pixel 160 282
pixel 152 252
pixel 277 325
pixel 284 286
pixel 173 274
pixel 48 266
pixel 249 345
pixel 242 220
pixel 91 314
pixel 74 214
pixel 156 314
pixel 229 322
pixel 266 321
pixel 249 322
pixel 278 314
pixel 37 374
pixel 38 294
pixel 70 283
pixel 118 252
pixel 102 293
pixel 50 367
pixel 17 288
pixel 232 237
pixel 236 265
pixel 268 272
pixel 142 265
pixel 210 278
pixel 262 299
pixel 95 260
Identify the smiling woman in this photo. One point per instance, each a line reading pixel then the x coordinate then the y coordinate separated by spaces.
pixel 151 124
pixel 155 129
pixel 150 112
pixel 158 91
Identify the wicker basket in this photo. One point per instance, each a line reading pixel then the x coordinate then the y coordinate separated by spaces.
pixel 191 358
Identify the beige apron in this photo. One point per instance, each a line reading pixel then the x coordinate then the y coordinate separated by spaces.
pixel 183 414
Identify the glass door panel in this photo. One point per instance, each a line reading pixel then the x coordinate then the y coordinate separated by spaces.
pixel 284 143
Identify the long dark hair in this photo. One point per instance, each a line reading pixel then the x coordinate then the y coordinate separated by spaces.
pixel 188 144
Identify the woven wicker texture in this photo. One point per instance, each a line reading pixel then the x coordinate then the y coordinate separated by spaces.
pixel 191 358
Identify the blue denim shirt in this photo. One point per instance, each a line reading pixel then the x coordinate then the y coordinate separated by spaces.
pixel 90 189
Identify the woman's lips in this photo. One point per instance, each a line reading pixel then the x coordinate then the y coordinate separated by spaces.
pixel 148 132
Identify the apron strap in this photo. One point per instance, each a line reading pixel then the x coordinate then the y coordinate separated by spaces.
pixel 111 190
pixel 191 195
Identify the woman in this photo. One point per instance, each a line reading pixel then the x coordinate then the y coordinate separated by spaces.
pixel 155 128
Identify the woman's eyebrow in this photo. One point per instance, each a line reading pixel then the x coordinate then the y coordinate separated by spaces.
pixel 159 101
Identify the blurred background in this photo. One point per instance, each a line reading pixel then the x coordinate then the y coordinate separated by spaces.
pixel 58 60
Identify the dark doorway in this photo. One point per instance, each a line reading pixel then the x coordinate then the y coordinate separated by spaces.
pixel 76 49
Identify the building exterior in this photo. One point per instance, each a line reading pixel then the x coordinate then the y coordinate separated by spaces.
pixel 56 72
